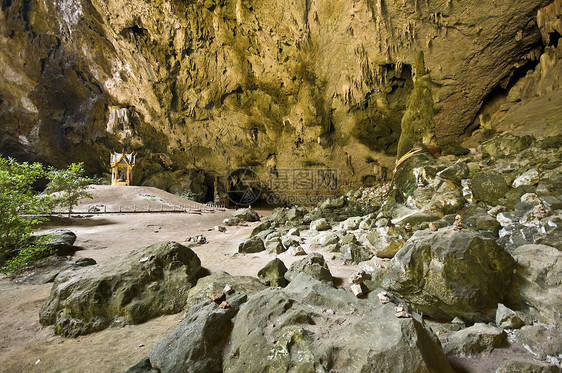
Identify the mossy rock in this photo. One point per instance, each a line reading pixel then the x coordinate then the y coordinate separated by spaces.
pixel 148 282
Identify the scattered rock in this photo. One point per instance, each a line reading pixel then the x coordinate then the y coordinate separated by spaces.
pixel 273 274
pixel 246 214
pixel 529 177
pixel 313 265
pixel 294 232
pixel 507 318
pixel 251 245
pixel 261 227
pixel 519 365
pixel 197 343
pixel 354 254
pixel 384 242
pixel 536 282
pixel 327 238
pixel 220 282
pixel 383 297
pixel 297 251
pixel 458 225
pixel 320 225
pixel 274 246
pixel 219 228
pixel 199 239
pixel 541 340
pixel 351 224
pixel 455 173
pixel 231 222
pixel 359 277
pixel 359 289
pixel 449 273
pixel 60 241
pixel 87 299
pixel 476 339
pixel 489 187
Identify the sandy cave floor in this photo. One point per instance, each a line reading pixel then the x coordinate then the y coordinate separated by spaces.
pixel 26 346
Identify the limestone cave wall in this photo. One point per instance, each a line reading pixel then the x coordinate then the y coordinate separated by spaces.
pixel 213 85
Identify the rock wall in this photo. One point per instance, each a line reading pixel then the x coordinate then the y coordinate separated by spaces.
pixel 219 84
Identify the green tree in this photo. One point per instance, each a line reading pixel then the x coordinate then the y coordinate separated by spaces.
pixel 70 185
pixel 21 208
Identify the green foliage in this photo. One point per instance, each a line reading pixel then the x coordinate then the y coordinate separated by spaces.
pixel 70 184
pixel 27 256
pixel 22 208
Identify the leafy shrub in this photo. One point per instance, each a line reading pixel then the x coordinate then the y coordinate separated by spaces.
pixel 22 208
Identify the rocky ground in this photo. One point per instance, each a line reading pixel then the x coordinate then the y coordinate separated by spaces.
pixel 455 265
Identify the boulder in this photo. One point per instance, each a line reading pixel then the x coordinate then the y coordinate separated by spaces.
pixel 144 284
pixel 296 251
pixel 313 265
pixel 384 241
pixel 478 219
pixel 310 326
pixel 351 223
pixel 217 281
pixel 60 241
pixel 537 282
pixel 294 232
pixel 354 254
pixel 489 187
pixel 529 177
pixel 541 340
pixel 507 144
pixel 327 238
pixel 447 273
pixel 262 227
pixel 507 318
pixel 251 245
pixel 47 270
pixel 349 238
pixel 246 214
pixel 454 173
pixel 519 365
pixel 274 246
pixel 231 222
pixel 320 225
pixel 290 241
pixel 273 273
pixel 476 339
pixel 197 343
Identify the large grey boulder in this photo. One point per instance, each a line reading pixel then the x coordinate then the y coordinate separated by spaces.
pixel 385 242
pixel 313 265
pixel 354 254
pixel 507 318
pixel 448 274
pixel 541 340
pixel 519 365
pixel 476 339
pixel 246 214
pixel 251 245
pixel 60 241
pixel 217 281
pixel 137 287
pixel 197 343
pixel 538 282
pixel 310 326
pixel 489 187
pixel 273 274
pixel 320 225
